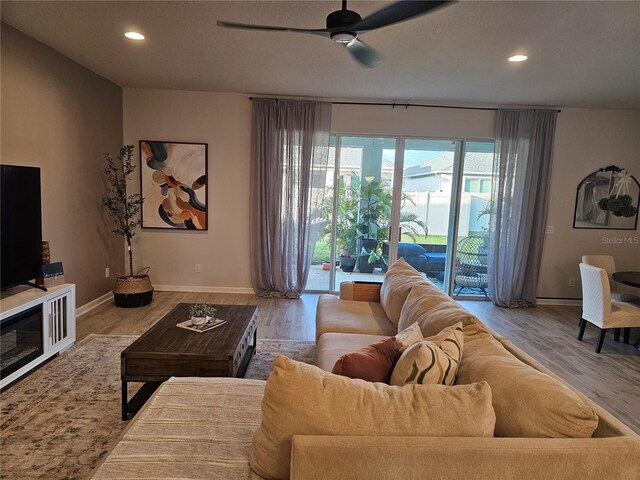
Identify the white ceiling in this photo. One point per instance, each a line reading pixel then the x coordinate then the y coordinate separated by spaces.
pixel 580 53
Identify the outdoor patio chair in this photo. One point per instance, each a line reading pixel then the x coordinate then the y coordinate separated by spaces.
pixel 471 264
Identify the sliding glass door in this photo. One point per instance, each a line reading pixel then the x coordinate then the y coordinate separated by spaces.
pixel 469 273
pixel 426 201
pixel 357 213
pixel 436 218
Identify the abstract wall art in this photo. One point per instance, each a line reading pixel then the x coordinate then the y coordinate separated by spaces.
pixel 608 199
pixel 173 182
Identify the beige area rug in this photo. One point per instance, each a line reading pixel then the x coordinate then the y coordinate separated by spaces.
pixel 61 420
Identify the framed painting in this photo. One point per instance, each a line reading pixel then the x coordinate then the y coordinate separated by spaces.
pixel 173 183
pixel 607 199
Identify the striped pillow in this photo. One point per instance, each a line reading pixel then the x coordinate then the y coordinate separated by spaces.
pixel 433 360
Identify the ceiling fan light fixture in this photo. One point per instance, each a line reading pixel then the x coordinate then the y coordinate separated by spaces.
pixel 517 58
pixel 344 26
pixel 134 36
pixel 343 37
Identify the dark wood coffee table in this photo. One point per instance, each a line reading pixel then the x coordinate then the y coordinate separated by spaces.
pixel 166 351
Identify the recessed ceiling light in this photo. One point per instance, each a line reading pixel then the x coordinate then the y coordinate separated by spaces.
pixel 134 35
pixel 518 58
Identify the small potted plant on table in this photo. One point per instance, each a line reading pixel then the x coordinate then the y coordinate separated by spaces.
pixel 201 313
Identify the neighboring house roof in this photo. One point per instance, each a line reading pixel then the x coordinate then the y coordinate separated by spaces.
pixel 352 158
pixel 479 163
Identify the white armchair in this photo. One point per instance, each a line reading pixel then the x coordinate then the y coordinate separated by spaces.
pixel 599 309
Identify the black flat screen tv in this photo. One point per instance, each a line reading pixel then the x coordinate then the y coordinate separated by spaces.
pixel 20 224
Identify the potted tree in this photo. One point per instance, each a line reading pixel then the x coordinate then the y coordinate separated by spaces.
pixel 133 290
pixel 347 219
pixel 371 209
pixel 363 222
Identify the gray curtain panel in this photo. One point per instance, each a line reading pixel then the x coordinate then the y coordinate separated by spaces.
pixel 520 189
pixel 289 156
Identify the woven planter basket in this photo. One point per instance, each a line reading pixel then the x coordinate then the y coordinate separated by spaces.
pixel 135 284
pixel 131 292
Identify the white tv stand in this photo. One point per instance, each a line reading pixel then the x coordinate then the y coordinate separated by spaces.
pixel 58 320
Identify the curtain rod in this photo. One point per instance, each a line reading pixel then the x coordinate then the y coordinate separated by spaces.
pixel 407 105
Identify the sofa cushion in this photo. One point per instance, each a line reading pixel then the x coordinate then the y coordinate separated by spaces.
pixel 398 282
pixel 345 316
pixel 527 402
pixel 433 310
pixel 301 399
pixel 432 360
pixel 373 363
pixel 331 346
pixel 408 336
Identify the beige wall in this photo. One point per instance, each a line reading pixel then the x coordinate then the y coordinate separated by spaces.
pixel 585 140
pixel 224 122
pixel 425 122
pixel 59 116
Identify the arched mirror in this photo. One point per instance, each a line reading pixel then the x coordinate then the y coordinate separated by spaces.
pixel 608 199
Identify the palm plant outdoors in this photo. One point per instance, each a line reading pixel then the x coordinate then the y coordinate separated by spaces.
pixel 364 212
pixel 410 223
pixel 347 215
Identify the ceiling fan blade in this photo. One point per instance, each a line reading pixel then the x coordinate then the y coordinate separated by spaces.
pixel 397 12
pixel 363 53
pixel 246 26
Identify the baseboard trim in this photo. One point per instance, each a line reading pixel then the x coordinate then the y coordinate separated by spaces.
pixel 203 289
pixel 87 307
pixel 567 302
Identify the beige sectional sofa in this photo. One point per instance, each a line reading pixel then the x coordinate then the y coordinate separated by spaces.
pixel 202 428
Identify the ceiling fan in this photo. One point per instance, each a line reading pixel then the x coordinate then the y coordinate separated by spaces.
pixel 345 26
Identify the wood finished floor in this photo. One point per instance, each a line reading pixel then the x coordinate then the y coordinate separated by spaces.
pixel 277 318
pixel 547 333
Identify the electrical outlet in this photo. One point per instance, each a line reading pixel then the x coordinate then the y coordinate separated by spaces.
pixel 549 230
pixel 572 282
pixel 198 268
pixel 106 272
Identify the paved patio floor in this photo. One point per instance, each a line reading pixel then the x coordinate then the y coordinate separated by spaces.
pixel 319 279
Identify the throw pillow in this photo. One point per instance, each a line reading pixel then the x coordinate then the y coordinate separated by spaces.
pixel 433 360
pixel 398 282
pixel 433 310
pixel 408 336
pixel 301 399
pixel 372 363
pixel 527 402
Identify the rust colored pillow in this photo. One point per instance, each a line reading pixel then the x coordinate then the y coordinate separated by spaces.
pixel 373 363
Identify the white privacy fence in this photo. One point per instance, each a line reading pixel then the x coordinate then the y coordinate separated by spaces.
pixel 433 209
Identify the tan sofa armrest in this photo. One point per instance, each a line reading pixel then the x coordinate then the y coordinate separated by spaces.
pixel 360 458
pixel 360 291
